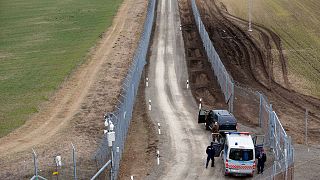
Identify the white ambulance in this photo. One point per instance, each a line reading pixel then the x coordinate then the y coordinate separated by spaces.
pixel 239 154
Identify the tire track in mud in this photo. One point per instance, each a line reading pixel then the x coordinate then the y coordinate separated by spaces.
pixel 269 36
pixel 250 64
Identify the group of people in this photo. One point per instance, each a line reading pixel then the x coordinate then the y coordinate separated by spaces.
pixel 261 157
pixel 210 149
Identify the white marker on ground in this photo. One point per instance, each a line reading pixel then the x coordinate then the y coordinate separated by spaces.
pixel 159 130
pixel 147 82
pixel 158 157
pixel 187 84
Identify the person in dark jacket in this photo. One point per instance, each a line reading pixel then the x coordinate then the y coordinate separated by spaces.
pixel 215 132
pixel 210 152
pixel 262 158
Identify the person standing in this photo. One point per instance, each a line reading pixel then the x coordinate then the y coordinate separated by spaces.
pixel 262 158
pixel 215 132
pixel 210 152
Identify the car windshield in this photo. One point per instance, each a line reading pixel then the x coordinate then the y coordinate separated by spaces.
pixel 226 127
pixel 241 154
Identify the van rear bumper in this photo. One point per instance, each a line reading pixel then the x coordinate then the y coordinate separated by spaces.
pixel 240 171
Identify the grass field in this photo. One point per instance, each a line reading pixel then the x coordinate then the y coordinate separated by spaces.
pixel 41 42
pixel 297 22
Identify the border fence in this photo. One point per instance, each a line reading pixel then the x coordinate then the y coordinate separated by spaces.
pixel 121 117
pixel 276 137
pixel 224 79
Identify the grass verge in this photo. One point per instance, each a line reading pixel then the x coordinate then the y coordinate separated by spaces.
pixel 41 42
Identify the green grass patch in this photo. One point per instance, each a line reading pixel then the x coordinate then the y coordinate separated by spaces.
pixel 297 23
pixel 41 42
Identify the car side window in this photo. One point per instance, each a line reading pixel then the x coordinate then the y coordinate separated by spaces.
pixel 216 117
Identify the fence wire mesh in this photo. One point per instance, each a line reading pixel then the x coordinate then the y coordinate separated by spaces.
pixel 275 135
pixel 121 117
pixel 225 81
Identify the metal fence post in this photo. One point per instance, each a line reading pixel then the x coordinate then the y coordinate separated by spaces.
pixel 35 164
pixel 112 164
pixel 286 163
pixel 74 162
pixel 226 86
pixel 271 127
pixel 306 127
pixel 233 96
pixel 250 17
pixel 260 110
pixel 274 169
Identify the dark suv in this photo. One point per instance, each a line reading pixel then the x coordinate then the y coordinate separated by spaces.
pixel 226 121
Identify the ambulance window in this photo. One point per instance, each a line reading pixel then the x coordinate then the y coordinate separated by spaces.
pixel 241 154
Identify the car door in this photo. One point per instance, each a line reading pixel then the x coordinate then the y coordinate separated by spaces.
pixel 258 141
pixel 202 116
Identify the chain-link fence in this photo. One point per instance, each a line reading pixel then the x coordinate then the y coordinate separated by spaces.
pixel 275 136
pixel 225 81
pixel 265 113
pixel 121 117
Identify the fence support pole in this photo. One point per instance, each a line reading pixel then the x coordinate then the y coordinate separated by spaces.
pixel 306 127
pixel 199 22
pixel 286 163
pixel 274 170
pixel 101 170
pixel 271 127
pixel 250 18
pixel 260 110
pixel 35 164
pixel 233 96
pixel 112 164
pixel 74 162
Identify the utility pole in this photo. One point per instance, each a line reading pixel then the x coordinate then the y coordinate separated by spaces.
pixel 249 12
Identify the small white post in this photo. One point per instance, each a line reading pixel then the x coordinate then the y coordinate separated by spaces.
pixel 187 84
pixel 180 27
pixel 147 82
pixel 158 157
pixel 159 130
pixel 200 104
pixel 149 104
pixel 131 177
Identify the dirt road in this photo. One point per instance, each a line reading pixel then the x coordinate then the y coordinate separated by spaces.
pixel 183 141
pixel 75 111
